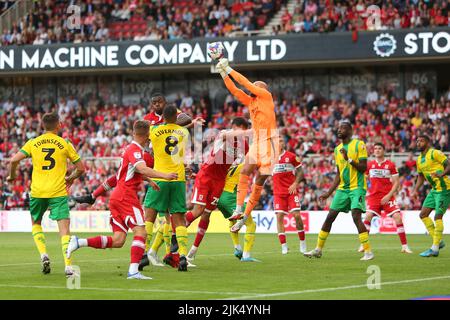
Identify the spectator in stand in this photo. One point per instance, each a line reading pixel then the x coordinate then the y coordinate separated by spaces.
pixel 412 94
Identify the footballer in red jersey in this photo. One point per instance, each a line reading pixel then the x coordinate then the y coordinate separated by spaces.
pixel 287 174
pixel 210 180
pixel 384 183
pixel 126 209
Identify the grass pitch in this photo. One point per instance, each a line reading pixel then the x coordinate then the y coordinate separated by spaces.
pixel 219 275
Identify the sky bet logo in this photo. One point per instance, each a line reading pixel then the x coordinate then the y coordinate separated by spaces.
pixel 384 45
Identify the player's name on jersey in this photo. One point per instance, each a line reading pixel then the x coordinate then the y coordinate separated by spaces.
pixel 47 141
pixel 160 132
pixel 283 167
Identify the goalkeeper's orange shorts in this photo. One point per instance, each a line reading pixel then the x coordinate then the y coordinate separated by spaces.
pixel 264 153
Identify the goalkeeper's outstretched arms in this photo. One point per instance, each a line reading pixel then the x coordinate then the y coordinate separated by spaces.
pixel 235 91
pixel 258 88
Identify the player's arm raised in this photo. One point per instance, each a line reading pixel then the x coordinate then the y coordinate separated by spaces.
pixel 336 181
pixel 242 80
pixel 14 162
pixel 151 173
pixel 235 91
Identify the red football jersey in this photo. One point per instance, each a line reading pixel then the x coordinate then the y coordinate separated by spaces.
pixel 223 154
pixel 154 118
pixel 128 180
pixel 284 172
pixel 380 177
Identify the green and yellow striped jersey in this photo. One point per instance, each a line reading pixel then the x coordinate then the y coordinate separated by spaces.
pixel 434 161
pixel 351 178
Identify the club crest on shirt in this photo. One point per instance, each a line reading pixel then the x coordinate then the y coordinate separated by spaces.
pixel 137 155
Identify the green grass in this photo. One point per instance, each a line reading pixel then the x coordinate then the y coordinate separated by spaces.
pixel 220 275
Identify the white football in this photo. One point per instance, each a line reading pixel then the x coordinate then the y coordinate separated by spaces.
pixel 216 50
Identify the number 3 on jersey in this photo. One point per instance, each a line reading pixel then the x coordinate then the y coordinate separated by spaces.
pixel 48 157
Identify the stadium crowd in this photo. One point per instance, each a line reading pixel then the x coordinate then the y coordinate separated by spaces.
pixel 107 20
pixel 101 131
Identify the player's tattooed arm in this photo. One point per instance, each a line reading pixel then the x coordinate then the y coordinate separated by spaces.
pixel 79 170
pixel 150 173
pixel 13 163
pixel 336 181
pixel 299 177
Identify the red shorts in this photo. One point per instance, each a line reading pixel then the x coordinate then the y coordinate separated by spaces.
pixel 207 191
pixel 374 206
pixel 125 215
pixel 286 203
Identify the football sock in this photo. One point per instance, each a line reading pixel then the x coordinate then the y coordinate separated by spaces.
pixel 249 238
pixel 429 225
pixel 99 242
pixel 364 239
pixel 254 199
pixel 282 238
pixel 64 244
pixel 301 234
pixel 401 233
pixel 234 236
pixel 39 238
pixel 437 237
pixel 182 237
pixel 137 251
pixel 159 239
pixel 149 229
pixel 322 237
pixel 189 218
pixel 166 235
pixel 202 227
pixel 242 189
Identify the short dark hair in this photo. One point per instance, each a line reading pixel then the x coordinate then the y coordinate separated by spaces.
pixel 141 127
pixel 424 136
pixel 380 145
pixel 170 113
pixel 50 121
pixel 240 122
pixel 157 95
pixel 346 122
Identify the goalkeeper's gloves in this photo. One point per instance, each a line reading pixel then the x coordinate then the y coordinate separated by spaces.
pixel 223 67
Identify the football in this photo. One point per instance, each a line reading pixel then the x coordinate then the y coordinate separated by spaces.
pixel 216 50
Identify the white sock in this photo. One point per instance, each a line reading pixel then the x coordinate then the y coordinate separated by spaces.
pixel 435 248
pixel 151 251
pixel 44 255
pixel 238 247
pixel 405 246
pixel 238 208
pixel 82 242
pixel 133 268
pixel 284 246
pixel 193 251
pixel 246 255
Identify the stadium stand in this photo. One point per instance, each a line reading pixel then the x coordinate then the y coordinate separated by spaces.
pixel 310 130
pixel 109 20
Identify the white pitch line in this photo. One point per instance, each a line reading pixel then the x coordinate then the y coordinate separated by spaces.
pixel 276 294
pixel 124 289
pixel 200 255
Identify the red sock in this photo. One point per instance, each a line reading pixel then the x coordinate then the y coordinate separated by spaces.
pixel 100 242
pixel 137 249
pixel 202 227
pixel 282 238
pixel 301 235
pixel 367 224
pixel 401 233
pixel 105 186
pixel 189 218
